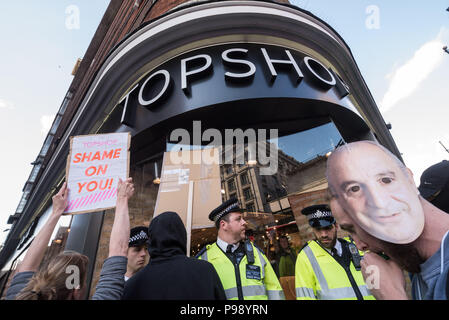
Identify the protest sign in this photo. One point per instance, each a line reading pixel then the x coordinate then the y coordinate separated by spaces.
pixel 196 183
pixel 94 166
pixel 192 190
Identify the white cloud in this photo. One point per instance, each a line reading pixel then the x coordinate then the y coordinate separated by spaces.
pixel 407 78
pixel 46 122
pixel 4 104
pixel 421 154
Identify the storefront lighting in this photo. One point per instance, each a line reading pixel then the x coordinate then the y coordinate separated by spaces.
pixel 251 155
pixel 157 180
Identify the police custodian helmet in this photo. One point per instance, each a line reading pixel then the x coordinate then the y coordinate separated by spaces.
pixel 138 236
pixel 319 215
pixel 231 205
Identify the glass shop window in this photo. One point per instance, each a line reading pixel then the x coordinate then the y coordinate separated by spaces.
pixel 277 179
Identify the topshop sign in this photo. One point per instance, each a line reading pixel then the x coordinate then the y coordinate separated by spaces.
pixel 227 73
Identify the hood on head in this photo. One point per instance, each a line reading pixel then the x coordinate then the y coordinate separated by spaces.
pixel 168 236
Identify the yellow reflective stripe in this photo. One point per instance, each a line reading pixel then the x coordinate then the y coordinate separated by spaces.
pixel 255 290
pixel 305 292
pixel 364 291
pixel 331 294
pixel 231 293
pixel 342 293
pixel 248 291
pixel 316 269
pixel 275 295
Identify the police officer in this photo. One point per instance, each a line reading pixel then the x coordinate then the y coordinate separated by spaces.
pixel 244 271
pixel 138 255
pixel 328 268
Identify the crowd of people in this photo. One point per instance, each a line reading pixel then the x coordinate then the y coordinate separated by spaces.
pixel 393 226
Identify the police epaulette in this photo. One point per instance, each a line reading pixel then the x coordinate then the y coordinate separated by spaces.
pixel 347 239
pixel 201 252
pixel 257 247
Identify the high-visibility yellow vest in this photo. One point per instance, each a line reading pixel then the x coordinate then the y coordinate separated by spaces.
pixel 257 282
pixel 319 276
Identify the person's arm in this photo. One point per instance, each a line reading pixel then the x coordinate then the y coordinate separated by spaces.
pixel 384 278
pixel 36 251
pixel 19 281
pixel 111 283
pixel 118 243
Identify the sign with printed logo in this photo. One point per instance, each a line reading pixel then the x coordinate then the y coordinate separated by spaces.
pixel 94 166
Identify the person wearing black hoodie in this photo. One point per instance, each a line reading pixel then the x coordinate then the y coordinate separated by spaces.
pixel 170 274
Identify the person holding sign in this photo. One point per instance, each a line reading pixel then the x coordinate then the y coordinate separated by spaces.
pixel 48 284
pixel 112 276
pixel 64 277
pixel 94 166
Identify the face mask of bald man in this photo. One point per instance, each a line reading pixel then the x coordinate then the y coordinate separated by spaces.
pixel 377 191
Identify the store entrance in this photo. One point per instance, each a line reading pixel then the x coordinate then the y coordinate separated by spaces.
pixel 272 197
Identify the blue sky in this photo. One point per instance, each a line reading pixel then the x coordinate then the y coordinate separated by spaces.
pixel 404 66
pixel 401 61
pixel 37 55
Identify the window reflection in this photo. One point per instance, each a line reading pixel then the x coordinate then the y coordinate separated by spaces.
pixel 273 202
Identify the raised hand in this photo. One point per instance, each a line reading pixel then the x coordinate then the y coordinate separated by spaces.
pixel 60 200
pixel 384 278
pixel 125 189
